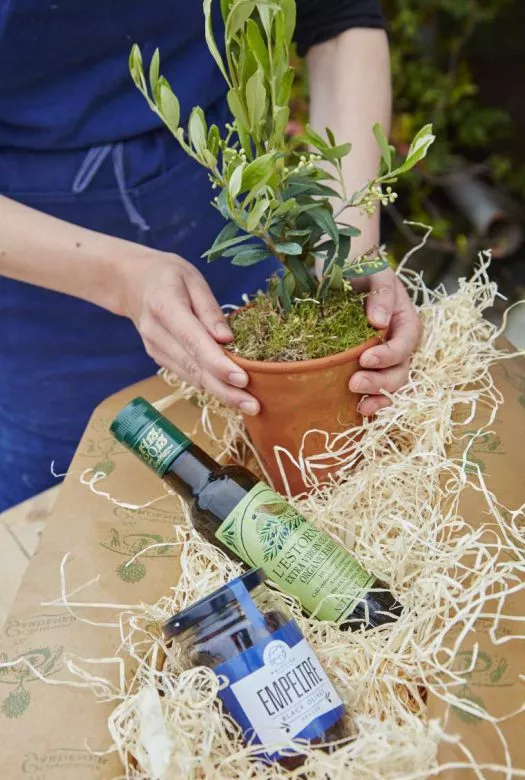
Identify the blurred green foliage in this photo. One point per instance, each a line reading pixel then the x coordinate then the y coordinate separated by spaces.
pixel 433 82
pixel 432 79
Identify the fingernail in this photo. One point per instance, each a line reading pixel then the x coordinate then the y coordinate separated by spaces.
pixel 360 404
pixel 223 331
pixel 370 360
pixel 238 379
pixel 249 407
pixel 360 385
pixel 380 316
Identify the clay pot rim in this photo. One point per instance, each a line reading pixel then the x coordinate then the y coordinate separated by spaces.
pixel 306 366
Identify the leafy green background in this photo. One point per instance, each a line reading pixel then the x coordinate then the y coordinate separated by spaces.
pixel 455 63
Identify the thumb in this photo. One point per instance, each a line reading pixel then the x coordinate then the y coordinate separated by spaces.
pixel 381 299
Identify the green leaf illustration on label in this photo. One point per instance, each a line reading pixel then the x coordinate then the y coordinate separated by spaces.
pixel 275 523
pixel 228 535
pixel 266 531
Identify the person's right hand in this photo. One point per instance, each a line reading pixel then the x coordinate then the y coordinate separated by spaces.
pixel 168 300
pixel 182 326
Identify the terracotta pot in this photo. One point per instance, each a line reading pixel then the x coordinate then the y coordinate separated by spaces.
pixel 296 398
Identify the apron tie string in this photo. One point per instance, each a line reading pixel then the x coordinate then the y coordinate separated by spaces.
pixel 90 166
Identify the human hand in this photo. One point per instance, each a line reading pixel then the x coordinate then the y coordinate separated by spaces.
pixel 182 326
pixel 387 306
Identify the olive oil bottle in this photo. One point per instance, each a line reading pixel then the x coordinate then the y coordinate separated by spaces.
pixel 243 516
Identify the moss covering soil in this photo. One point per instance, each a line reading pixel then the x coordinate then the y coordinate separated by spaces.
pixel 310 330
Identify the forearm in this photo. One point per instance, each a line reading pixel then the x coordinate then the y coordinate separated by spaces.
pixel 349 92
pixel 51 253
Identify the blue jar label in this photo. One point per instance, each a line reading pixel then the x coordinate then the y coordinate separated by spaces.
pixel 278 691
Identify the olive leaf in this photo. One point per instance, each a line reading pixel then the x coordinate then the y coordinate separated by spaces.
pixel 214 140
pixel 284 208
pixel 364 268
pixel 331 137
pixel 336 278
pixel 248 257
pixel 257 214
pixel 266 18
pixel 285 289
pixel 197 130
pixel 256 99
pixel 300 272
pixel 235 184
pixel 169 105
pixel 238 16
pixel 216 252
pixel 225 8
pixel 285 87
pixel 237 108
pixel 234 250
pixel 337 152
pixel 136 67
pixel 221 204
pixel 281 117
pixel 324 218
pixel 256 171
pixel 210 40
pixel 154 71
pixel 302 185
pixel 348 230
pixel 289 248
pixel 229 231
pixel 315 139
pixel 290 18
pixel 417 151
pixel 384 148
pixel 257 45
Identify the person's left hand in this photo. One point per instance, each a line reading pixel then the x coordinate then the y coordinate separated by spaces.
pixel 386 365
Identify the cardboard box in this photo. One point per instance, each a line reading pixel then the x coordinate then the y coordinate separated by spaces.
pixel 494 651
pixel 49 730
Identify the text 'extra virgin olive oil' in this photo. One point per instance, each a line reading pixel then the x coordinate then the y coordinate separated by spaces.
pixel 232 509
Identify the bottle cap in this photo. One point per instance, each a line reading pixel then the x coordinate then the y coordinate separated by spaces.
pixel 148 434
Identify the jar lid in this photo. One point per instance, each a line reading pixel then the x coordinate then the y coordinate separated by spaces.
pixel 211 604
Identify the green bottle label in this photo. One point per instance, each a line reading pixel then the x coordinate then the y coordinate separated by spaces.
pixel 264 530
pixel 158 447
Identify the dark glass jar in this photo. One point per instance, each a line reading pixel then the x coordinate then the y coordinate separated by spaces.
pixel 277 691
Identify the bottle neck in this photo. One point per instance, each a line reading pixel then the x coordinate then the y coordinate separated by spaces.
pixel 190 471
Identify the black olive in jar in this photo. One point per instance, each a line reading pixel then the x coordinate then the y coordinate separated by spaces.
pixel 277 690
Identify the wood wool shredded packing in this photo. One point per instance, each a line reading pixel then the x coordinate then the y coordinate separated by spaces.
pixel 396 507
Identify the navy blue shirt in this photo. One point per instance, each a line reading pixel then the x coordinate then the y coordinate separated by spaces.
pixel 78 141
pixel 64 80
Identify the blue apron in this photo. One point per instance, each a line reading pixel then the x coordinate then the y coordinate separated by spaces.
pixel 61 356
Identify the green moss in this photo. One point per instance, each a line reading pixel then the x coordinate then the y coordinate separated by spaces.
pixel 309 331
